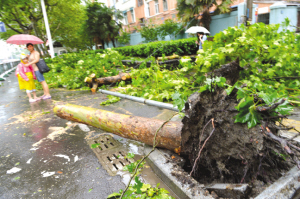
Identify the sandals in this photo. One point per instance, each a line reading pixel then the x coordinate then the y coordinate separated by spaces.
pixel 37 99
pixel 32 100
pixel 45 97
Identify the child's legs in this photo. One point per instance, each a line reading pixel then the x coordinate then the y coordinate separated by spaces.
pixel 34 94
pixel 28 92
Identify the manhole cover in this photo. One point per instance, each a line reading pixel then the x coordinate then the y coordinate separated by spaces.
pixel 110 153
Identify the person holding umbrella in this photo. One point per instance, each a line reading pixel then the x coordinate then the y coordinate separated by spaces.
pixel 200 31
pixel 34 57
pixel 201 38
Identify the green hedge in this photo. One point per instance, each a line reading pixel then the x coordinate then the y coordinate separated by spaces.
pixel 158 48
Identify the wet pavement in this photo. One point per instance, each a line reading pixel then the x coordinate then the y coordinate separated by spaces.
pixel 44 156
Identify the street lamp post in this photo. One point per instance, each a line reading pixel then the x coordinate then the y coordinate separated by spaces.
pixel 47 29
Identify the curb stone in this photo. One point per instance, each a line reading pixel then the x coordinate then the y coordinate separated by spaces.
pixel 284 187
pixel 163 170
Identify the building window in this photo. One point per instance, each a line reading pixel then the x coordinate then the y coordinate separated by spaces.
pixel 165 3
pixel 264 18
pixel 140 3
pixel 148 9
pixel 125 18
pixel 156 7
pixel 132 16
pixel 142 22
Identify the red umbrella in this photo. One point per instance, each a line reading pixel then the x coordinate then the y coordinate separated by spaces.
pixel 24 39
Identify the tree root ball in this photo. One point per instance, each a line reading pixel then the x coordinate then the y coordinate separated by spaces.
pixel 233 153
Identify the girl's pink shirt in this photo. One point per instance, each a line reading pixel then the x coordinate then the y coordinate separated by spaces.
pixel 21 70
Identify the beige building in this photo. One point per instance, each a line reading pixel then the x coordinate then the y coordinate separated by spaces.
pixel 137 13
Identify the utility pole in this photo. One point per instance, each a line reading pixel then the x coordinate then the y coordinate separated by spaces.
pixel 47 29
pixel 249 11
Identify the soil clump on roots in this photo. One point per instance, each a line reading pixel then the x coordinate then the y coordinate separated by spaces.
pixel 233 153
pixel 218 150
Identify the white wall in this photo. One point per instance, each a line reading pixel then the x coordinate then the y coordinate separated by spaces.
pixel 125 5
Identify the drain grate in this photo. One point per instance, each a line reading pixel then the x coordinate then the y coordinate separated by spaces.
pixel 110 153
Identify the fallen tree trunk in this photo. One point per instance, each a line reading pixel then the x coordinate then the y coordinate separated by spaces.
pixel 94 82
pixel 127 126
pixel 174 56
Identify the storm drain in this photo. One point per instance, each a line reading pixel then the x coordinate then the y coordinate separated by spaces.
pixel 110 153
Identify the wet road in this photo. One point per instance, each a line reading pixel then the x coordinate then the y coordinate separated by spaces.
pixel 43 156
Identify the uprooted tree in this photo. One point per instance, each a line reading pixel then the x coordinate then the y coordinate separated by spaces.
pixel 230 131
pixel 249 79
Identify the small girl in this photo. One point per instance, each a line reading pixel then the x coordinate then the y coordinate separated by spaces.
pixel 25 77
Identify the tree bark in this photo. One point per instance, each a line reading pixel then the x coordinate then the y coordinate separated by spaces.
pixel 103 44
pixel 113 42
pixel 127 126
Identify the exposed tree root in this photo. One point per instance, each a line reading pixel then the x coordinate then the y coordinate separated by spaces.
pixel 212 121
pixel 234 154
pixel 284 145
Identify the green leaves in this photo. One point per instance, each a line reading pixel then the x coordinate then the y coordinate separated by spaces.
pixel 114 196
pixel 285 108
pixel 111 99
pixel 250 99
pixel 138 185
pixel 124 38
pixel 70 70
pixel 178 101
pixel 130 155
pixel 93 146
pixel 210 84
pixel 157 49
pixel 247 112
pixel 100 24
pixel 145 192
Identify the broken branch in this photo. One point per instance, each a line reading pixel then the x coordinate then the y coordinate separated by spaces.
pixel 267 108
pixel 284 145
pixel 94 82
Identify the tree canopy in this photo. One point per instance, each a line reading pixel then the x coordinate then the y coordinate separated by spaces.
pixel 25 17
pixel 151 31
pixel 191 9
pixel 100 25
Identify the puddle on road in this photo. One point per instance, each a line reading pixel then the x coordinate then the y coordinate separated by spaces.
pixel 56 133
pixel 63 156
pixel 47 174
pixel 13 170
pixel 30 117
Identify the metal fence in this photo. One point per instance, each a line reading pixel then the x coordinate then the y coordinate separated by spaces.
pixel 7 67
